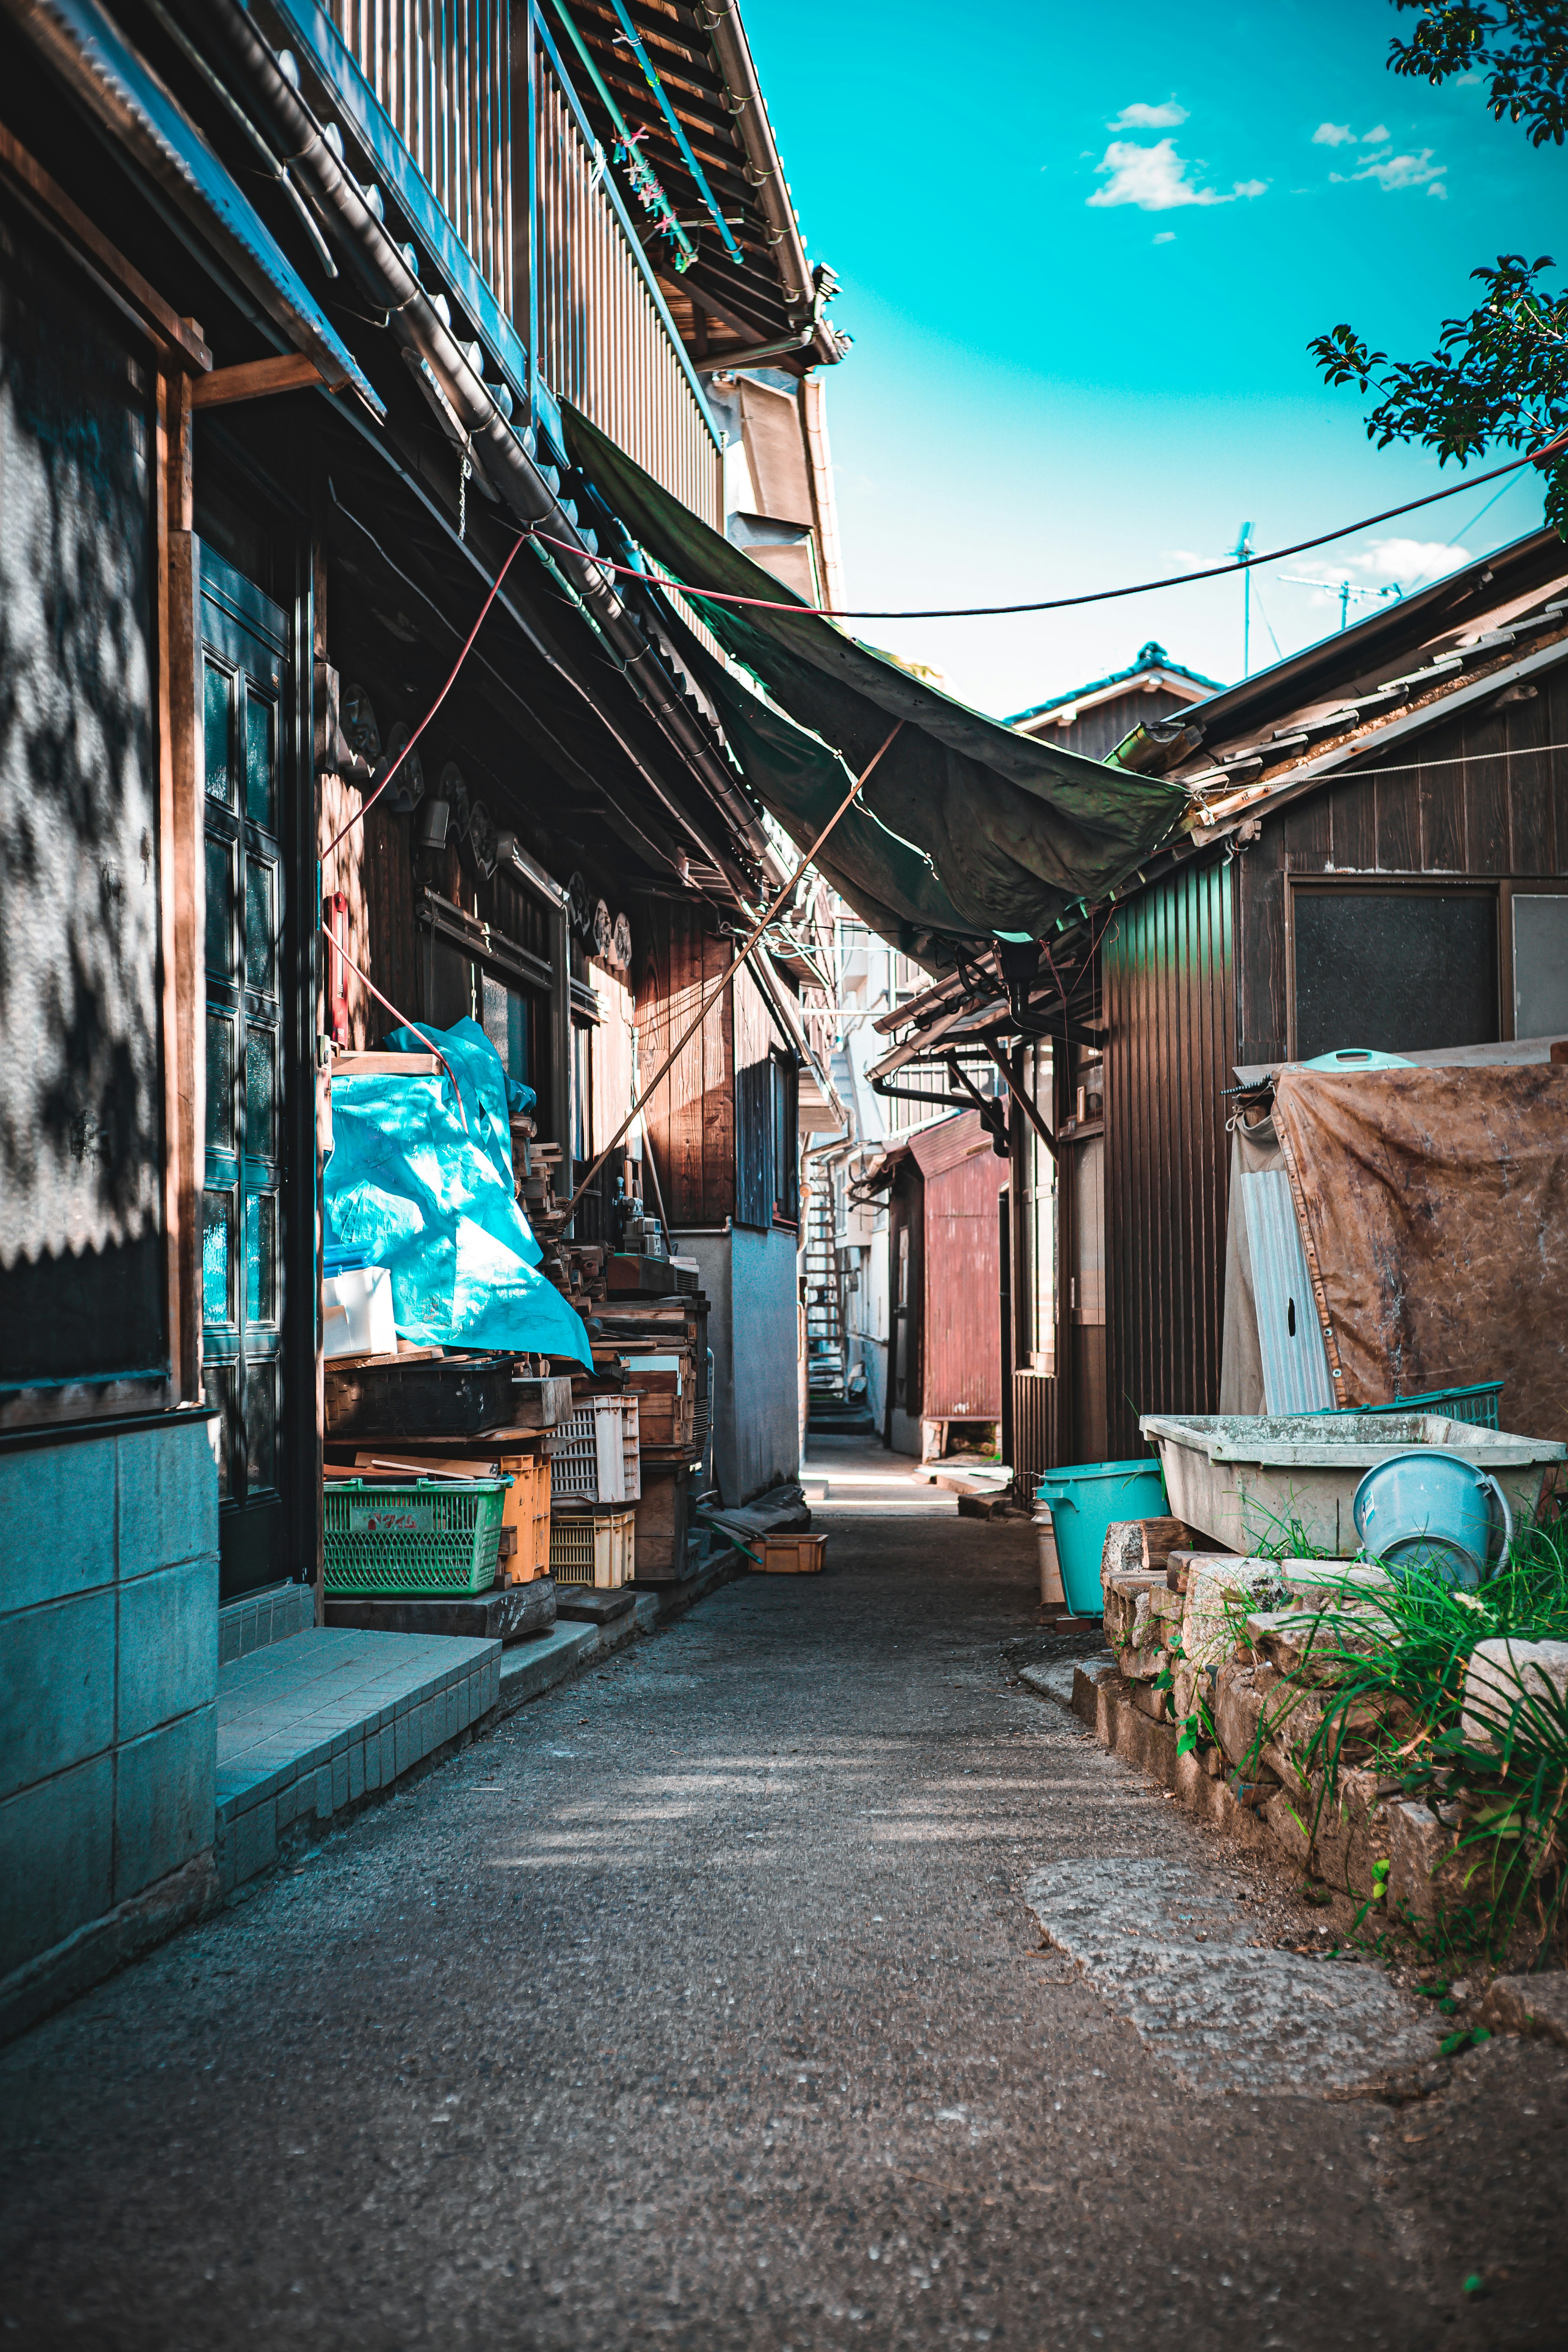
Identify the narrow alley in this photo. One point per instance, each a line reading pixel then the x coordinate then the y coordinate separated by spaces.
pixel 700 2003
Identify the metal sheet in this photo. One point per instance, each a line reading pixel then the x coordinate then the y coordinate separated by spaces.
pixel 1295 1363
pixel 962 1304
pixel 95 60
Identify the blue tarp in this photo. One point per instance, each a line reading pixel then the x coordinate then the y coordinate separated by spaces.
pixel 423 1184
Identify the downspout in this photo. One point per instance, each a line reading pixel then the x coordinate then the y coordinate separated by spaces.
pixel 428 342
pixel 721 23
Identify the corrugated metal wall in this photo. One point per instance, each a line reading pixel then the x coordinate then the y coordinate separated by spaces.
pixel 961 1336
pixel 602 341
pixel 1169 1001
pixel 442 69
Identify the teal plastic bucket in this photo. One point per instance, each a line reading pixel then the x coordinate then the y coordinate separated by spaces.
pixel 1084 1501
pixel 1429 1509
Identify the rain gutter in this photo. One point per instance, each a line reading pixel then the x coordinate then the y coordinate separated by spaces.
pixel 448 373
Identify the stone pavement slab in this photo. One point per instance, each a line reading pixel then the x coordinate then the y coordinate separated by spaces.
pixel 1165 1942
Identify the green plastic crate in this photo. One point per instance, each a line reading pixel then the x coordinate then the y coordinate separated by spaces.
pixel 1478 1403
pixel 428 1536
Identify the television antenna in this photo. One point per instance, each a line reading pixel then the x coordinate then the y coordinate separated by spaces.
pixel 1344 589
pixel 1240 552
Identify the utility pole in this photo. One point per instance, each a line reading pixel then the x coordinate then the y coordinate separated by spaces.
pixel 1241 551
pixel 1344 589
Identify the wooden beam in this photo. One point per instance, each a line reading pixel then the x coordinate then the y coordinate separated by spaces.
pixel 180 338
pixel 255 380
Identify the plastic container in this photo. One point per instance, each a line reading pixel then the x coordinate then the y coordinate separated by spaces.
pixel 595 1457
pixel 1357 1057
pixel 593 1545
pixel 1430 1508
pixel 356 1312
pixel 1478 1403
pixel 1084 1500
pixel 1249 1482
pixel 431 1535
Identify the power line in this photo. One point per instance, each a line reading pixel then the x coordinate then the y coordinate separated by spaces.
pixel 1052 604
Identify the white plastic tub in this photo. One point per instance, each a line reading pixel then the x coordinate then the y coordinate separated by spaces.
pixel 1247 1481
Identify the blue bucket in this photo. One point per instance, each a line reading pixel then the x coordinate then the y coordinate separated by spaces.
pixel 1428 1508
pixel 1084 1502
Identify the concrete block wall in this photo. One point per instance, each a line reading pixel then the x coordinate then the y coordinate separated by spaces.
pixel 109 1584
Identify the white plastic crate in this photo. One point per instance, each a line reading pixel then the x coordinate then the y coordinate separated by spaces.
pixel 598 1460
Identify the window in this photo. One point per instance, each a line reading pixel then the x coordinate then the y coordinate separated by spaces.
pixel 1396 971
pixel 1540 964
pixel 785 1134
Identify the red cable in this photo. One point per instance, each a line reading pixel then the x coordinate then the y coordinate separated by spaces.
pixel 402 1017
pixel 1057 603
pixel 434 707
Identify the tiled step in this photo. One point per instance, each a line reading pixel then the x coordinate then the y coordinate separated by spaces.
pixel 314 1724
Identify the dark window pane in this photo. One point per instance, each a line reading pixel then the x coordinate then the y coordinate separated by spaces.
pixel 259 762
pixel 218 1255
pixel 220 1082
pixel 261 1258
pixel 217 1382
pixel 259 890
pixel 1396 971
pixel 220 908
pixel 260 1418
pixel 214 737
pixel 260 1122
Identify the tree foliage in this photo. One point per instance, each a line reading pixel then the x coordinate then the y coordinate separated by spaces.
pixel 1499 377
pixel 1523 46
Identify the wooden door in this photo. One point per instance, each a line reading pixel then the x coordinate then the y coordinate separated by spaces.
pixel 1086 1297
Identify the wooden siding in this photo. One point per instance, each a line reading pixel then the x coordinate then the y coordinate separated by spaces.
pixel 442 69
pixel 604 342
pixel 690 1115
pixel 1480 819
pixel 1168 999
pixel 1099 730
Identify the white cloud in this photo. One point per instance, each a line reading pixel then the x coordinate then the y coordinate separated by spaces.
pixel 1395 172
pixel 1155 179
pixel 1165 236
pixel 1333 134
pixel 1375 138
pixel 1410 563
pixel 1141 117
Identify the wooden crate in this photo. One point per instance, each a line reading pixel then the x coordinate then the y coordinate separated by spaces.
pixel 663 1517
pixel 791 1555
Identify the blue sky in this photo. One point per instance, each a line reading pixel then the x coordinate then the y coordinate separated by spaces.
pixel 1082 253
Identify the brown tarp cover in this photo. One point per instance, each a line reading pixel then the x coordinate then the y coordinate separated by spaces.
pixel 1433 1208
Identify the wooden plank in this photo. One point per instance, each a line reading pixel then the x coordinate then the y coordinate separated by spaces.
pixel 1353 825
pixel 1530 829
pixel 255 380
pixel 1442 800
pixel 1262 1023
pixel 1397 801
pixel 185 871
pixel 180 339
pixel 1487 848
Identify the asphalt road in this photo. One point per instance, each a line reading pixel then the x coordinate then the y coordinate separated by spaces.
pixel 699 2006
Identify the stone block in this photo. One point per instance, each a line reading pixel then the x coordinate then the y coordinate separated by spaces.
pixel 356 1771
pixel 163 1799
pixel 56 1859
pixel 1148 1702
pixel 1221 1592
pixel 1350 1830
pixel 1518 1688
pixel 1418 1846
pixel 1086 1694
pixel 1241 1696
pixel 167 1501
pixel 1531 2005
pixel 339 1779
pixel 57 1687
pixel 1290 1820
pixel 56 1507
pixel 168 1658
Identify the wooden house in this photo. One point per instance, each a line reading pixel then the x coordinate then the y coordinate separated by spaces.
pixel 327 401
pixel 1095 717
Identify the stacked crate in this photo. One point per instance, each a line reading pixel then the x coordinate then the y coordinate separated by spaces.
pixel 597 1476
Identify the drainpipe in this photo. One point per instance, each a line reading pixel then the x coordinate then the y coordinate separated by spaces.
pixel 433 350
pixel 819 466
pixel 730 48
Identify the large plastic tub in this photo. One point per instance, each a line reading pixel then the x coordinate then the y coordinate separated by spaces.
pixel 1083 1501
pixel 1260 1482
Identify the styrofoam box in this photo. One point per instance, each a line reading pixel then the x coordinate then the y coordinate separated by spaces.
pixel 356 1313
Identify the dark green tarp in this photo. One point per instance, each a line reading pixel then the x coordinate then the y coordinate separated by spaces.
pixel 971 828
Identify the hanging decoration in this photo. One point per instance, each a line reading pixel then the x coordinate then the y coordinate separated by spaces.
pixel 621 944
pixel 644 180
pixel 408 791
